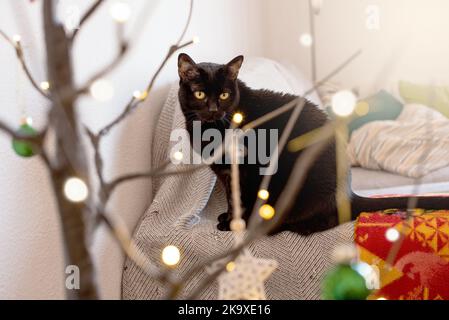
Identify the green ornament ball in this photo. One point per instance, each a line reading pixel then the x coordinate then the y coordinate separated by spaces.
pixel 344 283
pixel 24 148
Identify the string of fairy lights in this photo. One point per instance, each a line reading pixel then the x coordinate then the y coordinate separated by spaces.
pixel 75 189
pixel 344 104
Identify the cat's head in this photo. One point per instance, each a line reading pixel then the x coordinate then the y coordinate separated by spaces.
pixel 208 92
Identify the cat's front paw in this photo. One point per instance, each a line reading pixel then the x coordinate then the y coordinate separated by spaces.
pixel 224 221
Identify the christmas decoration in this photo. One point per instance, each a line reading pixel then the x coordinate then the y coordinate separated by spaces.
pixel 420 269
pixel 244 278
pixel 21 147
pixel 344 283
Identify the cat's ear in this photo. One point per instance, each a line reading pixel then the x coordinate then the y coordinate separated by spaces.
pixel 233 67
pixel 187 68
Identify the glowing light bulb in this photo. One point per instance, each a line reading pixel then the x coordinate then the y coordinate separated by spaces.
pixel 343 103
pixel 263 194
pixel 392 235
pixel 344 253
pixel 237 118
pixel 238 225
pixel 178 156
pixel 102 90
pixel 27 120
pixel 16 38
pixel 76 190
pixel 266 212
pixel 120 11
pixel 381 298
pixel 139 95
pixel 306 40
pixel 230 266
pixel 45 85
pixel 171 255
pixel 196 40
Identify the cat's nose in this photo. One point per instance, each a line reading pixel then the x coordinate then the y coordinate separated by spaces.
pixel 213 107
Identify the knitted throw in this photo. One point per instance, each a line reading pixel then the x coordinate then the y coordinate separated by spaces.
pixel 184 213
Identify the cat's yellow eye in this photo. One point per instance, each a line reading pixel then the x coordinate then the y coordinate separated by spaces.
pixel 200 95
pixel 224 96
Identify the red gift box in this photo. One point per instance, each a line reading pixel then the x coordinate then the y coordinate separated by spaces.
pixel 419 270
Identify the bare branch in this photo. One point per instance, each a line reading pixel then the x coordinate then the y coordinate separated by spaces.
pixel 292 104
pixel 186 26
pixel 106 189
pixel 119 231
pixel 19 53
pixel 134 176
pixel 260 228
pixel 86 17
pixel 135 102
pixel 123 50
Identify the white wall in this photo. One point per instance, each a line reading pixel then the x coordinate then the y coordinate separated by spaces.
pixel 31 261
pixel 411 43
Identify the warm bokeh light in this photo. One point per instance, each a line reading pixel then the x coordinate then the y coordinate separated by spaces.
pixel 392 235
pixel 238 225
pixel 237 118
pixel 178 156
pixel 102 90
pixel 263 194
pixel 343 103
pixel 306 40
pixel 230 266
pixel 120 11
pixel 171 255
pixel 16 38
pixel 266 212
pixel 139 95
pixel 45 85
pixel 75 190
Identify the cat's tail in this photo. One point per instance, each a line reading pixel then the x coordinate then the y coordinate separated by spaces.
pixel 361 204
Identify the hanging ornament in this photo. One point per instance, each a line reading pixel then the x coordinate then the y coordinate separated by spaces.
pixel 244 278
pixel 21 147
pixel 343 282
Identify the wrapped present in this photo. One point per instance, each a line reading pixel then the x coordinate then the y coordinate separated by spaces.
pixel 419 269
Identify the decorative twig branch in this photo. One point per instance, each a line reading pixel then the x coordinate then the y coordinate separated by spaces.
pixel 73 162
pixel 120 232
pixel 262 228
pixel 124 48
pixel 19 53
pixel 86 17
pixel 187 24
pixel 257 227
pixel 107 188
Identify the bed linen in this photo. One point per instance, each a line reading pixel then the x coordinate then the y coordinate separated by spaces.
pixel 414 145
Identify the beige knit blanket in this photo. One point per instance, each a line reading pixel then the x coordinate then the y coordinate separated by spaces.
pixel 184 213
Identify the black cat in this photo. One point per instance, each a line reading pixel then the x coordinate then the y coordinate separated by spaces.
pixel 212 93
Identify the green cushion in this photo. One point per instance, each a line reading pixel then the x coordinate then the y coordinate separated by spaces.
pixel 382 106
pixel 432 96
